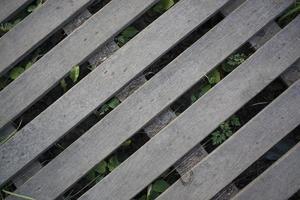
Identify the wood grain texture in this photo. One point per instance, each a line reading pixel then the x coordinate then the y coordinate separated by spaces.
pixel 35 29
pixel 9 8
pixel 73 50
pixel 187 130
pixel 101 84
pixel 122 122
pixel 279 182
pixel 248 144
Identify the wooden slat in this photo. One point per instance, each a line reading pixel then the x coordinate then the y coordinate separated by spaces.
pixel 9 7
pixel 103 82
pixel 290 75
pixel 201 118
pixel 122 122
pixel 35 28
pixel 234 156
pixel 73 50
pixel 279 182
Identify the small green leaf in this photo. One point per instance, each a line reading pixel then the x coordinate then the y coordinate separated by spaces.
pixel 130 32
pixel 218 137
pixel 104 109
pixel 16 72
pixel 127 143
pixel 63 85
pixel 214 77
pixel 233 61
pixel 127 34
pixel 113 103
pixel 228 133
pixel 235 121
pixel 204 89
pixel 101 167
pixel 74 73
pixel 33 7
pixel 90 176
pixel 163 5
pixel 28 65
pixel 113 163
pixel 5 27
pixel 160 186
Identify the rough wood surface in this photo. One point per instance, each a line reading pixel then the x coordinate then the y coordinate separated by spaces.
pixel 77 21
pixel 124 122
pixel 105 51
pixel 9 7
pixel 290 75
pixel 73 50
pixel 279 182
pixel 234 156
pixel 35 28
pixel 100 85
pixel 201 118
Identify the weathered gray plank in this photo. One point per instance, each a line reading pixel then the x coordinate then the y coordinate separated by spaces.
pixel 290 75
pixel 102 83
pixel 233 157
pixel 9 7
pixel 35 28
pixel 99 55
pixel 77 21
pixel 74 49
pixel 279 182
pixel 201 118
pixel 122 122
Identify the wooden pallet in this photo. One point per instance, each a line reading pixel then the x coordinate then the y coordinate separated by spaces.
pixel 175 140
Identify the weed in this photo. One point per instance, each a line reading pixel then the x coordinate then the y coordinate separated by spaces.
pixel 155 189
pixel 225 130
pixel 73 75
pixel 126 35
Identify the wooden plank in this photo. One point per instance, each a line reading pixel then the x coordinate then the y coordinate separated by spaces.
pixel 9 8
pixel 290 75
pixel 77 21
pixel 201 118
pixel 103 82
pixel 122 122
pixel 233 157
pixel 279 182
pixel 73 50
pixel 99 55
pixel 35 29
